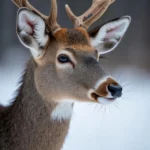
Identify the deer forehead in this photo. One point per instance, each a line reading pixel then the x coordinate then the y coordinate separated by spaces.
pixel 77 39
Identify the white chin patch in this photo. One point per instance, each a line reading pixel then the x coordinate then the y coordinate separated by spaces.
pixel 63 111
pixel 105 101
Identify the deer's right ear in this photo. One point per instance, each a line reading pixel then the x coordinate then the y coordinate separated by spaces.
pixel 31 30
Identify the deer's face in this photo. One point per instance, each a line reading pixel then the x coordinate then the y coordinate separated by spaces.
pixel 67 61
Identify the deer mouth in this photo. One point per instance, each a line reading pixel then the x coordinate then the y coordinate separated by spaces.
pixel 101 99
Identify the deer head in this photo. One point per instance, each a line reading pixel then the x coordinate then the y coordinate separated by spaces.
pixel 67 60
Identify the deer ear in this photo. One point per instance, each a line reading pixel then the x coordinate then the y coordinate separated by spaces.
pixel 31 30
pixel 107 38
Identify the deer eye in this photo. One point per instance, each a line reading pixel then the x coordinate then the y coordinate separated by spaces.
pixel 63 58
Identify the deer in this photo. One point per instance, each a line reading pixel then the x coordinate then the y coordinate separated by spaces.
pixel 64 69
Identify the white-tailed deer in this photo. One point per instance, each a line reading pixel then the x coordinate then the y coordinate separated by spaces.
pixel 64 69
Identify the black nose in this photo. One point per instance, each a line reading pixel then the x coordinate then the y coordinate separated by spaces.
pixel 115 90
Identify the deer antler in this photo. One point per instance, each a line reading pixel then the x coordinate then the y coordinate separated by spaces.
pixel 97 9
pixel 51 20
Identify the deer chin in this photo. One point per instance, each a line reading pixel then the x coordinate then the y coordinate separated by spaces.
pixel 103 100
pixel 106 101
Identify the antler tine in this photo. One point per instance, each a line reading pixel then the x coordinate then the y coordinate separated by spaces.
pixel 97 9
pixel 51 21
pixel 17 3
pixel 25 3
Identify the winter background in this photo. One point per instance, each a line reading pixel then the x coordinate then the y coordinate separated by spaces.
pixel 124 125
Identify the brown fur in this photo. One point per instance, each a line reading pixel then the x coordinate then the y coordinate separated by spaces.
pixel 74 38
pixel 27 125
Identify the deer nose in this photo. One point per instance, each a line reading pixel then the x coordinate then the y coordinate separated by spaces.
pixel 115 90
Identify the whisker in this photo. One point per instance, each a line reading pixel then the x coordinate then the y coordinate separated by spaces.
pixel 117 106
pixel 110 109
pixel 96 105
pixel 104 112
pixel 100 107
pixel 127 92
pixel 120 75
pixel 124 98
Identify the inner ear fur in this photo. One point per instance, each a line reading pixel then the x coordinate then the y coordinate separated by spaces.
pixel 31 30
pixel 93 32
pixel 105 38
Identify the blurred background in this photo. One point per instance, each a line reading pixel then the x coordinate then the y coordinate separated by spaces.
pixel 124 125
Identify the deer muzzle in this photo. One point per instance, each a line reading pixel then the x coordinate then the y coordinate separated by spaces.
pixel 107 90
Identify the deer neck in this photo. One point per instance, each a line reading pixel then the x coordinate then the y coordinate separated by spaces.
pixel 30 119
